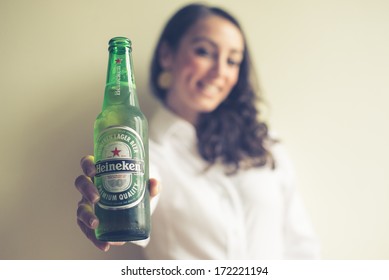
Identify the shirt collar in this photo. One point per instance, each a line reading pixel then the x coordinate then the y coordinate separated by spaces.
pixel 165 124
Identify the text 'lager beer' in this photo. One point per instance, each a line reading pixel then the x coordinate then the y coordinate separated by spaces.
pixel 121 153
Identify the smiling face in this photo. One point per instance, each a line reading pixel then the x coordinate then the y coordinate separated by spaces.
pixel 204 68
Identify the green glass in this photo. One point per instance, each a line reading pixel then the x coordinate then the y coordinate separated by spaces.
pixel 121 153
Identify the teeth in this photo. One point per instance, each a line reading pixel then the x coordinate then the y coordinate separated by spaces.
pixel 211 88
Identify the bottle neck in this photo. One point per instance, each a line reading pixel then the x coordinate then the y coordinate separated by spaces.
pixel 120 87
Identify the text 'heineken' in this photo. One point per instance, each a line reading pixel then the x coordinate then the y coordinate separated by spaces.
pixel 121 153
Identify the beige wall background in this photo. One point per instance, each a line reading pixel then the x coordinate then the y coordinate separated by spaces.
pixel 323 66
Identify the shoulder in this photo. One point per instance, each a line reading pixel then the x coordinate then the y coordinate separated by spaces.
pixel 283 162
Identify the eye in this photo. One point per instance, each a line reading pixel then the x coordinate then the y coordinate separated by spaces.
pixel 233 62
pixel 201 51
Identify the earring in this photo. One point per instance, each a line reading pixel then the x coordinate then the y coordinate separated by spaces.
pixel 165 79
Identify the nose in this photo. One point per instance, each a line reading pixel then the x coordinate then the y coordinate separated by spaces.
pixel 219 67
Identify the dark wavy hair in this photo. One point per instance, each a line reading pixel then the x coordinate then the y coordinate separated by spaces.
pixel 231 134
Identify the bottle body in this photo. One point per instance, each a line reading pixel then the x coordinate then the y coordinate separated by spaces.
pixel 121 154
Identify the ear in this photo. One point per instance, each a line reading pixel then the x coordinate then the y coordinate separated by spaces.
pixel 165 56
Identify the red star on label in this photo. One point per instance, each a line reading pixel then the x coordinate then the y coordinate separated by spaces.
pixel 118 61
pixel 116 152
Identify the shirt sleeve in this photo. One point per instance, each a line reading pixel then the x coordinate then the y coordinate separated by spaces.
pixel 301 241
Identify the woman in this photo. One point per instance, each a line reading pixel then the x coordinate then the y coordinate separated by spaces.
pixel 227 187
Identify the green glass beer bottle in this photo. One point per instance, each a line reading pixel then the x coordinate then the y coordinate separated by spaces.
pixel 121 153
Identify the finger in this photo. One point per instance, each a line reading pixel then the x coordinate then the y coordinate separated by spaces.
pixel 86 215
pixel 86 187
pixel 88 165
pixel 90 234
pixel 153 187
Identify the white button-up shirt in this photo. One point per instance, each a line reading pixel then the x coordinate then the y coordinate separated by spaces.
pixel 203 213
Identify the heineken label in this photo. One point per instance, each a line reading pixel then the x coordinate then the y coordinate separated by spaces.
pixel 120 168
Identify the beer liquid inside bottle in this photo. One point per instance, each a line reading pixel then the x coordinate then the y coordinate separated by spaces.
pixel 121 153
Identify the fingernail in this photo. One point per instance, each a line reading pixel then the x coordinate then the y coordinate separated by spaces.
pixel 93 222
